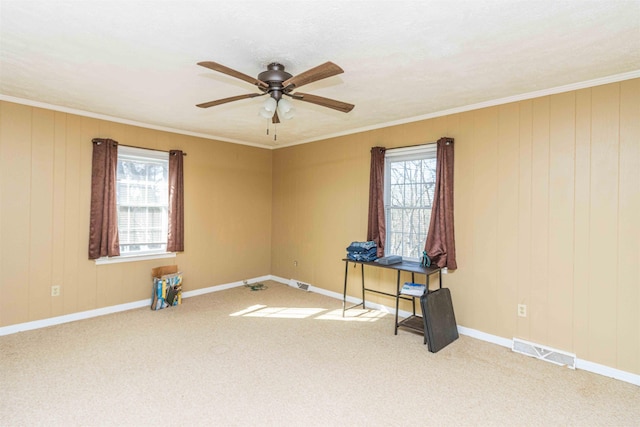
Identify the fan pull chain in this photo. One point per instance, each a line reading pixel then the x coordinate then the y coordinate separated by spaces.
pixel 275 130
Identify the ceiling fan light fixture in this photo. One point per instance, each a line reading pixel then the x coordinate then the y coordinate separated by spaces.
pixel 285 109
pixel 269 108
pixel 270 104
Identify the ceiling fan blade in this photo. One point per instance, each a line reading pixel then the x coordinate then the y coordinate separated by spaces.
pixel 230 99
pixel 275 118
pixel 320 72
pixel 324 102
pixel 233 73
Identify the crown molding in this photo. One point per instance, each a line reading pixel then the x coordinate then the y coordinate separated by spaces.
pixel 98 116
pixel 491 103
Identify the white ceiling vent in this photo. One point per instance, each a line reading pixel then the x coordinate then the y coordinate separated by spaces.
pixel 538 351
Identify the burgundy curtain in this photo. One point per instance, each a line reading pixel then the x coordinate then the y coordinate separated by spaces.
pixel 103 222
pixel 376 229
pixel 440 245
pixel 175 237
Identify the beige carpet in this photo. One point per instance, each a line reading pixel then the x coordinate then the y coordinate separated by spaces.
pixel 281 357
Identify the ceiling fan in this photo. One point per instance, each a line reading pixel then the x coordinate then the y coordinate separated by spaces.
pixel 276 82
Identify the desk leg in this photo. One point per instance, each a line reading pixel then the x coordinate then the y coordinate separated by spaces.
pixel 395 332
pixel 362 270
pixel 424 318
pixel 344 293
pixel 413 300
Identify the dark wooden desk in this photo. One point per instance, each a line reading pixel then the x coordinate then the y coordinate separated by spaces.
pixel 412 322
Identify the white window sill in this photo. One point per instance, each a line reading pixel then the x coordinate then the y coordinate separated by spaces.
pixel 133 258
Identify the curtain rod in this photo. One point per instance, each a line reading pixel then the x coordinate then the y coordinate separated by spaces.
pixel 449 141
pixel 99 141
pixel 410 146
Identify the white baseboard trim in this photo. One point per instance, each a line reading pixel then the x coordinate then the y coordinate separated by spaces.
pixel 483 336
pixel 350 299
pixel 58 320
pixel 585 365
pixel 277 279
pixel 608 371
pixel 218 288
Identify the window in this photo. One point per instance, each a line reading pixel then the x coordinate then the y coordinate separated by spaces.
pixel 410 178
pixel 142 198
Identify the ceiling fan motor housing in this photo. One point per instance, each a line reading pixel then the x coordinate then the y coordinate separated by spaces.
pixel 274 77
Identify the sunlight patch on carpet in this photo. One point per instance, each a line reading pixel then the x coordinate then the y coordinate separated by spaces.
pixel 247 310
pixel 260 310
pixel 353 315
pixel 280 312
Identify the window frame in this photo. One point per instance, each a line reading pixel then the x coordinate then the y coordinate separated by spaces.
pixel 419 152
pixel 150 155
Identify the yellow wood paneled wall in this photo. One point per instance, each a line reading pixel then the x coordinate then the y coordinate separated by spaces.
pixel 547 211
pixel 45 179
pixel 547 205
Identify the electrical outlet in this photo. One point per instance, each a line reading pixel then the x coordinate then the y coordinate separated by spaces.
pixel 522 310
pixel 55 291
pixel 295 263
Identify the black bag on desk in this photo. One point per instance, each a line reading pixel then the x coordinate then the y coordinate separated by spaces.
pixel 439 320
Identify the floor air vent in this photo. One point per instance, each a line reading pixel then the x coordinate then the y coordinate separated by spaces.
pixel 538 351
pixel 299 285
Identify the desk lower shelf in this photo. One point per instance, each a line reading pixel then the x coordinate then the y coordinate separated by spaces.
pixel 412 322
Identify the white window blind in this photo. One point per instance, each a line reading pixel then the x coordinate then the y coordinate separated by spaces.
pixel 142 199
pixel 410 176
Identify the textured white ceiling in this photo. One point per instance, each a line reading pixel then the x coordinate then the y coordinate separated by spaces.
pixel 136 60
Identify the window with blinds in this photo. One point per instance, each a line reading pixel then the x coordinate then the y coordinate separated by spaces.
pixel 410 177
pixel 142 199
